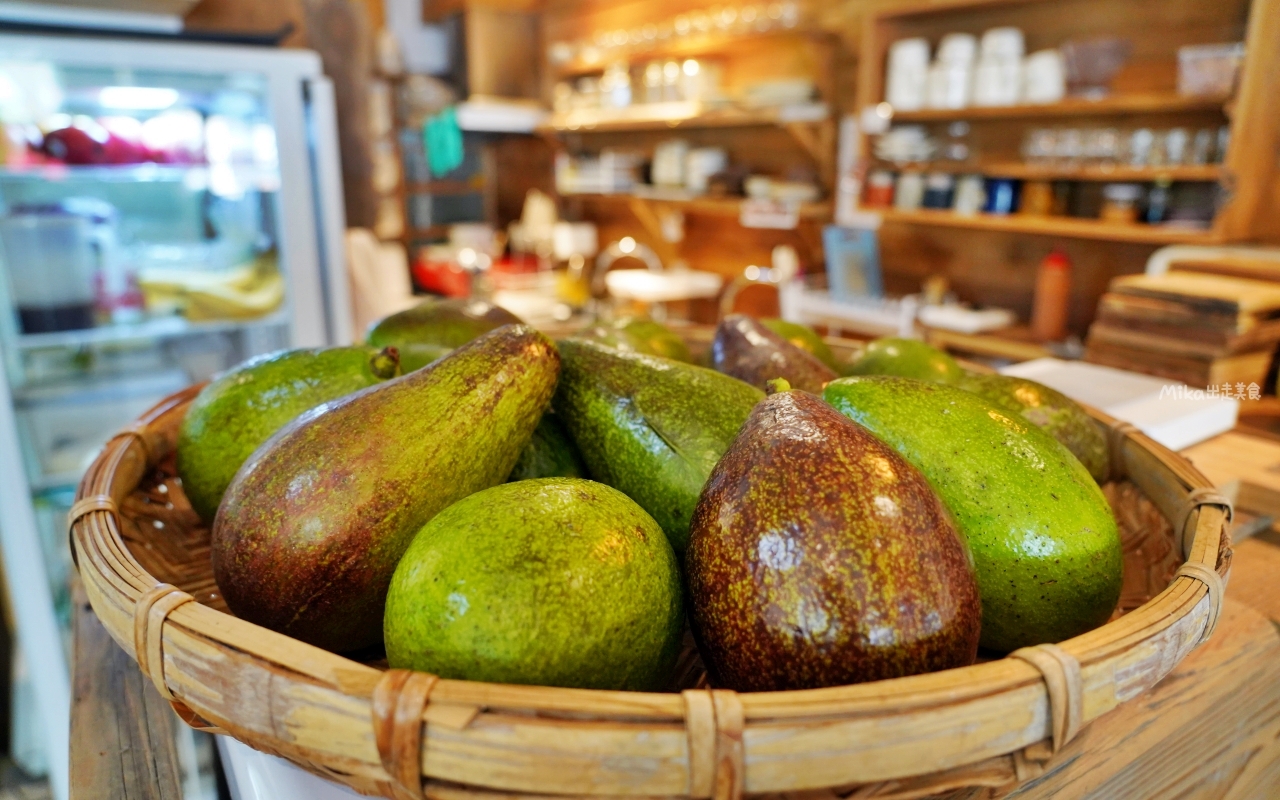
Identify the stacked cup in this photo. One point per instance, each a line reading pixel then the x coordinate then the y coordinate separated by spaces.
pixel 951 76
pixel 908 74
pixel 998 78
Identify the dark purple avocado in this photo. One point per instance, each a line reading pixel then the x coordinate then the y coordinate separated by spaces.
pixel 747 350
pixel 819 557
pixel 312 527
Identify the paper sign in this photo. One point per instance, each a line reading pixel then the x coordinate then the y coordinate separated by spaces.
pixel 771 214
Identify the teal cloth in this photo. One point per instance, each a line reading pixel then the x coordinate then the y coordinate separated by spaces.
pixel 443 140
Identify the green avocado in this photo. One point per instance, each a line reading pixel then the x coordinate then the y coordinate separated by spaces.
pixel 245 406
pixel 1043 539
pixel 650 427
pixel 638 335
pixel 549 454
pixel 553 582
pixel 445 323
pixel 906 358
pixel 1051 410
pixel 312 527
pixel 414 357
pixel 805 338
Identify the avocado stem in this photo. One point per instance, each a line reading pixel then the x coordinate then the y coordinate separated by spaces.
pixel 385 364
pixel 777 385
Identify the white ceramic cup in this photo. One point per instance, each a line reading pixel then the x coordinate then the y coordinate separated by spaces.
pixel 1003 43
pixel 1045 77
pixel 958 48
pixel 908 74
pixel 950 85
pixel 997 82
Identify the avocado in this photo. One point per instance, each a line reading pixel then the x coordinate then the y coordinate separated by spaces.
pixel 445 323
pixel 805 338
pixel 906 358
pixel 819 557
pixel 651 427
pixel 752 353
pixel 639 335
pixel 555 582
pixel 549 454
pixel 414 356
pixel 1043 539
pixel 243 407
pixel 1048 409
pixel 314 523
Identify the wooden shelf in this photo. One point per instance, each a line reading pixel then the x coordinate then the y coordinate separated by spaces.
pixel 1114 105
pixel 1022 171
pixel 669 116
pixel 1068 227
pixel 706 206
pixel 1015 344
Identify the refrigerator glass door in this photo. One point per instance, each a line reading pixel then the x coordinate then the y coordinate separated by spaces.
pixel 160 221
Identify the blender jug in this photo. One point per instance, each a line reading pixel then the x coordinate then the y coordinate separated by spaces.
pixel 52 256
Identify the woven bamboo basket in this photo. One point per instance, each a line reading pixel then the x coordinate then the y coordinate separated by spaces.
pixel 143 556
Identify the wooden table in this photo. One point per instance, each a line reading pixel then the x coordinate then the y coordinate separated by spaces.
pixel 1210 729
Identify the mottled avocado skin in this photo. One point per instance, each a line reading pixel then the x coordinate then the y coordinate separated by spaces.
pixel 750 352
pixel 636 335
pixel 650 427
pixel 242 408
pixel 1043 539
pixel 906 358
pixel 1051 410
pixel 805 338
pixel 433 327
pixel 819 557
pixel 549 454
pixel 312 527
pixel 555 582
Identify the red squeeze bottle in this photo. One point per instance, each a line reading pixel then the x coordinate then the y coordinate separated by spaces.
pixel 1053 295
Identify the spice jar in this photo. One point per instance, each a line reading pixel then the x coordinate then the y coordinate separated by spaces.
pixel 1037 199
pixel 1120 202
pixel 879 192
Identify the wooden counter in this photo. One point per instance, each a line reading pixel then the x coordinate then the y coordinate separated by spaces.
pixel 1209 729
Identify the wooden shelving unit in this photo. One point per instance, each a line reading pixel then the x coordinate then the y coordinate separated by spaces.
pixel 1068 227
pixel 1114 105
pixel 992 259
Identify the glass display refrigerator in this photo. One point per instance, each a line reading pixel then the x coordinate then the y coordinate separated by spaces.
pixel 167 209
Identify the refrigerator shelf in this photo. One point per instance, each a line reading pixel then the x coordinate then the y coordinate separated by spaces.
pixel 162 327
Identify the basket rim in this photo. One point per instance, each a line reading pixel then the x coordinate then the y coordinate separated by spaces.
pixel 115 582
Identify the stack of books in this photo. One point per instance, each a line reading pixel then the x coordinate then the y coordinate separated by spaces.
pixel 1201 329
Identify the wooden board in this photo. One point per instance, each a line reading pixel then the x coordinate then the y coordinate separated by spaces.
pixel 122 731
pixel 1216 291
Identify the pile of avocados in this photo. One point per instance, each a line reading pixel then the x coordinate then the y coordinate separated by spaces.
pixel 477 501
